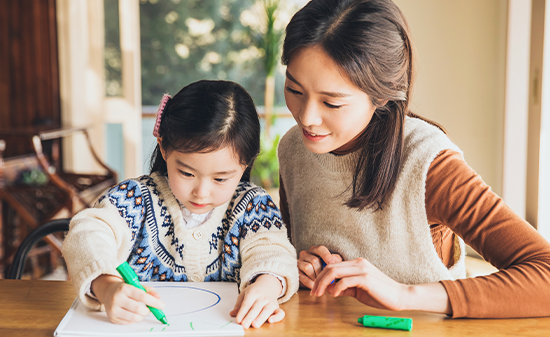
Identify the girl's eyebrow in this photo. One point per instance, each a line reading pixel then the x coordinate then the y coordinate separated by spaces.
pixel 326 93
pixel 179 163
pixel 225 172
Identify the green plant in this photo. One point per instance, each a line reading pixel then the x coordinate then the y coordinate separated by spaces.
pixel 271 37
pixel 268 40
pixel 265 171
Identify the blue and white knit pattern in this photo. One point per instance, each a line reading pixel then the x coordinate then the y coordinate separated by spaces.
pixel 155 247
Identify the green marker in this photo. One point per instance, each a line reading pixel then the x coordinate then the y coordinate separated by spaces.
pixel 130 277
pixel 396 323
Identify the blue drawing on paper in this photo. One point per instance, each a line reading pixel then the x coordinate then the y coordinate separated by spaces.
pixel 207 301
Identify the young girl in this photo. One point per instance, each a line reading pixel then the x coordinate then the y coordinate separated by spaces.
pixel 379 194
pixel 196 217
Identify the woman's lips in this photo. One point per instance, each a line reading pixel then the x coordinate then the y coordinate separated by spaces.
pixel 312 136
pixel 198 205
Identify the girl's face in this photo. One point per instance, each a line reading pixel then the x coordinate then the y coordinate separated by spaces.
pixel 328 107
pixel 203 181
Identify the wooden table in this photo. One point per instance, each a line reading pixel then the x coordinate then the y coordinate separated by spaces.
pixel 35 308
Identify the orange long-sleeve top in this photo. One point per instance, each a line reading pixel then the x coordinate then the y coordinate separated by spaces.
pixel 458 202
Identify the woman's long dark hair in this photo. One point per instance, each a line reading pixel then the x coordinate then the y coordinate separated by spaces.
pixel 206 116
pixel 370 41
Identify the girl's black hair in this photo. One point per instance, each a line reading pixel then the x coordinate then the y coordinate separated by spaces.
pixel 206 116
pixel 370 41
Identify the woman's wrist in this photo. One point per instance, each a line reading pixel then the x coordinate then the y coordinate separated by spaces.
pixel 430 297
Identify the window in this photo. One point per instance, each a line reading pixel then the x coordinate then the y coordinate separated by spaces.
pixel 183 41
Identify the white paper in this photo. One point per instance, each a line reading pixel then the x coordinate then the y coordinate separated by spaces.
pixel 191 308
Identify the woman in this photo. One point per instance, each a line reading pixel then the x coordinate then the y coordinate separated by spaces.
pixel 379 194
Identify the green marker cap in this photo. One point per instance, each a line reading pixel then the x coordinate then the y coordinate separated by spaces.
pixel 396 323
pixel 130 277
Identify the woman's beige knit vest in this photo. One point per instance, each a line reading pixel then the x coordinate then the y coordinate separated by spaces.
pixel 397 238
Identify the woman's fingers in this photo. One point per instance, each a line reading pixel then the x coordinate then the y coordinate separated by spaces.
pixel 332 272
pixel 323 253
pixel 310 261
pixel 305 280
pixel 336 258
pixel 362 280
pixel 309 267
pixel 341 287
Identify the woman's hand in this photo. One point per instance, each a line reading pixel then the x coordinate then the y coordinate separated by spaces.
pixel 124 303
pixel 258 303
pixel 361 279
pixel 310 266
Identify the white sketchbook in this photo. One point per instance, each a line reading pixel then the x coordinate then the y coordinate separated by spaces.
pixel 191 308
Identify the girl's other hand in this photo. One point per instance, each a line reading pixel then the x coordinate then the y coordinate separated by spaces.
pixel 258 303
pixel 124 303
pixel 310 265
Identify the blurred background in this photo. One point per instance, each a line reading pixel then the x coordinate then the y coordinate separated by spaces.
pixel 72 70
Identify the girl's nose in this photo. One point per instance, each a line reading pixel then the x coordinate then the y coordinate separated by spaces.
pixel 201 190
pixel 309 114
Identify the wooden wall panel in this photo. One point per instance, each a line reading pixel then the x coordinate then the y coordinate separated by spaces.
pixel 29 74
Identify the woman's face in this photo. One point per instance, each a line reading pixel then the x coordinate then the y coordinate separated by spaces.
pixel 328 107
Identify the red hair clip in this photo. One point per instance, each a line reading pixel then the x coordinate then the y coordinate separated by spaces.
pixel 162 105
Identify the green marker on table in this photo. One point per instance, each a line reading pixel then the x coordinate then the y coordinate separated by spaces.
pixel 396 323
pixel 130 277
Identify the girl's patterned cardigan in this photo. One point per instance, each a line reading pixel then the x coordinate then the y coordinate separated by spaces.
pixel 140 221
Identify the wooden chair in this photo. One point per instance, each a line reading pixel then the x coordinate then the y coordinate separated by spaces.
pixel 37 188
pixel 50 227
pixel 82 187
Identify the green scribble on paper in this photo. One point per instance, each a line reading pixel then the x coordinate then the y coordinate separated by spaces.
pixel 151 330
pixel 191 323
pixel 163 328
pixel 226 324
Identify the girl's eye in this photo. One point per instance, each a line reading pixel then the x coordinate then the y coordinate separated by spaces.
pixel 292 91
pixel 332 106
pixel 220 180
pixel 186 174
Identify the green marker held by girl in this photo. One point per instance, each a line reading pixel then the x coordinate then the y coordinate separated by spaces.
pixel 130 277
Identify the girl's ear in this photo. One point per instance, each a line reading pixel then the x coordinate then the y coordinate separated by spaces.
pixel 159 142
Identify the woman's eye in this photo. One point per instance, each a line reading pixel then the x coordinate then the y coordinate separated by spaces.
pixel 292 91
pixel 220 180
pixel 332 106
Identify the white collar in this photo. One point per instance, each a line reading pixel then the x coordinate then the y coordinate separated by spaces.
pixel 193 220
